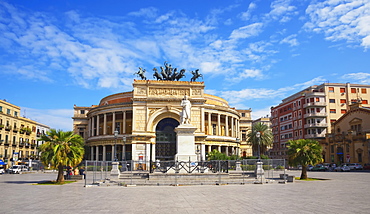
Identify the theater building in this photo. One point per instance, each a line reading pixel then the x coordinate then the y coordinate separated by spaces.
pixel 146 118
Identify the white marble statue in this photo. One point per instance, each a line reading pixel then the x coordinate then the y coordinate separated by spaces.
pixel 186 110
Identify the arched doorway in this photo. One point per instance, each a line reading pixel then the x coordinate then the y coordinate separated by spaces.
pixel 165 145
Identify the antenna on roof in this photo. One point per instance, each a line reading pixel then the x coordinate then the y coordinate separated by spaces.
pixel 24 114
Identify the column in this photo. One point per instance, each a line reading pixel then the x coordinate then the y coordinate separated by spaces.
pixel 202 119
pixel 89 128
pixel 219 148
pixel 97 153
pixel 226 125
pixel 209 148
pixel 105 124
pixel 209 123
pixel 112 153
pixel 218 124
pixel 91 153
pixel 227 150
pixel 114 122
pixel 124 122
pixel 203 151
pixel 104 153
pixel 124 151
pixel 97 125
pixel 92 126
pixel 232 127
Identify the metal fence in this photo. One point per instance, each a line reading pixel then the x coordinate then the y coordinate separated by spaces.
pixel 216 172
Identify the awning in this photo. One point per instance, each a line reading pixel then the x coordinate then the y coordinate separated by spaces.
pixel 2 162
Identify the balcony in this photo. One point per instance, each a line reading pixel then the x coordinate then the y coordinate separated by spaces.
pixel 297 127
pixel 314 104
pixel 308 136
pixel 315 114
pixel 311 125
pixel 8 128
pixel 15 129
pixel 315 94
pixel 21 144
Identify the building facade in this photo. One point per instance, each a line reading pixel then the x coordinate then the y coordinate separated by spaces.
pixel 18 135
pixel 350 137
pixel 245 127
pixel 309 113
pixel 146 117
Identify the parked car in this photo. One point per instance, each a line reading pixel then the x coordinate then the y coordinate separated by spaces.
pixel 355 166
pixel 309 167
pixel 319 167
pixel 2 171
pixel 367 166
pixel 342 168
pixel 17 169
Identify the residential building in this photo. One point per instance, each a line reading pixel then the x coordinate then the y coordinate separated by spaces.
pixel 18 135
pixel 308 114
pixel 245 127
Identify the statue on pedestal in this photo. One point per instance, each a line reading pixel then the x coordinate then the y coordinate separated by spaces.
pixel 186 110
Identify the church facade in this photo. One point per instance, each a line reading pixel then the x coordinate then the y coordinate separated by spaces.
pixel 146 117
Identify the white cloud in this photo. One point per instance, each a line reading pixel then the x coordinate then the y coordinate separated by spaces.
pixel 360 78
pixel 54 118
pixel 290 40
pixel 247 15
pixel 247 31
pixel 341 20
pixel 281 10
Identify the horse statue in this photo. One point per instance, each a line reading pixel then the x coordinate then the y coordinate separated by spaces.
pixel 157 75
pixel 163 73
pixel 174 74
pixel 180 75
pixel 141 73
pixel 196 75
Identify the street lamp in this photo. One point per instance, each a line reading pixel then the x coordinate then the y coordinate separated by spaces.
pixel 115 145
pixel 258 135
pixel 237 146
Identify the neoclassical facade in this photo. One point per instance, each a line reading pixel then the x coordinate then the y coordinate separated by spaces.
pixel 146 117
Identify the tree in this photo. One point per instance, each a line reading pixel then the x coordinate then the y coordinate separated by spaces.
pixel 304 152
pixel 61 149
pixel 217 155
pixel 265 140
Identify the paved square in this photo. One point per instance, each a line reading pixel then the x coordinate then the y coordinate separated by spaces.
pixel 343 193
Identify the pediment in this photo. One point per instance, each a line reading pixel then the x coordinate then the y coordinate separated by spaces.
pixel 355 120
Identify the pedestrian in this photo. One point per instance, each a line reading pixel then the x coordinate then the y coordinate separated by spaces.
pixel 68 172
pixel 82 172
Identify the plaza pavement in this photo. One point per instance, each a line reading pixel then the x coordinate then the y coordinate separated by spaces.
pixel 347 192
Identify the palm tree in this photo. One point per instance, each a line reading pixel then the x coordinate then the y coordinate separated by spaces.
pixel 304 152
pixel 265 139
pixel 61 149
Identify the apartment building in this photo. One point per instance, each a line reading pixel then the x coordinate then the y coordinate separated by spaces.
pixel 308 114
pixel 245 126
pixel 18 135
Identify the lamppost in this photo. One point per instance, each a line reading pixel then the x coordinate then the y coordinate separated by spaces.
pixel 258 135
pixel 115 145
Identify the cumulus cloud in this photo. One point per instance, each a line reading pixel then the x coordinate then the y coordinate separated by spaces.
pixel 247 31
pixel 341 20
pixel 291 40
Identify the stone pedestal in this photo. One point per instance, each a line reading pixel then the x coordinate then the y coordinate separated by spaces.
pixel 115 171
pixel 260 173
pixel 185 143
pixel 237 167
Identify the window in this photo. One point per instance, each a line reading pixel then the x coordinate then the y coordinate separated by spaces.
pixel 333 111
pixel 342 101
pixel 331 100
pixel 353 90
pixel 364 102
pixel 1 108
pixel 332 148
pixel 8 111
pixel 331 89
pixel 332 121
pixel 363 90
pixel 342 90
pixel 82 111
pixel 343 111
pixel 317 99
pixel 16 114
pixel 243 114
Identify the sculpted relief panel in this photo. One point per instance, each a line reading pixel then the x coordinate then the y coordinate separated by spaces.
pixel 195 118
pixel 168 92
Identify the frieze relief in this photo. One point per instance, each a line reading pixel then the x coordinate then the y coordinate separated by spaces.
pixel 168 92
pixel 195 92
pixel 140 91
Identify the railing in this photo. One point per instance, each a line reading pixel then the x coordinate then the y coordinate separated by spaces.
pixel 314 136
pixel 181 172
pixel 314 104
pixel 316 125
pixel 315 114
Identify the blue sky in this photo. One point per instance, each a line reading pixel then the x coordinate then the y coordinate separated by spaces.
pixel 54 54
